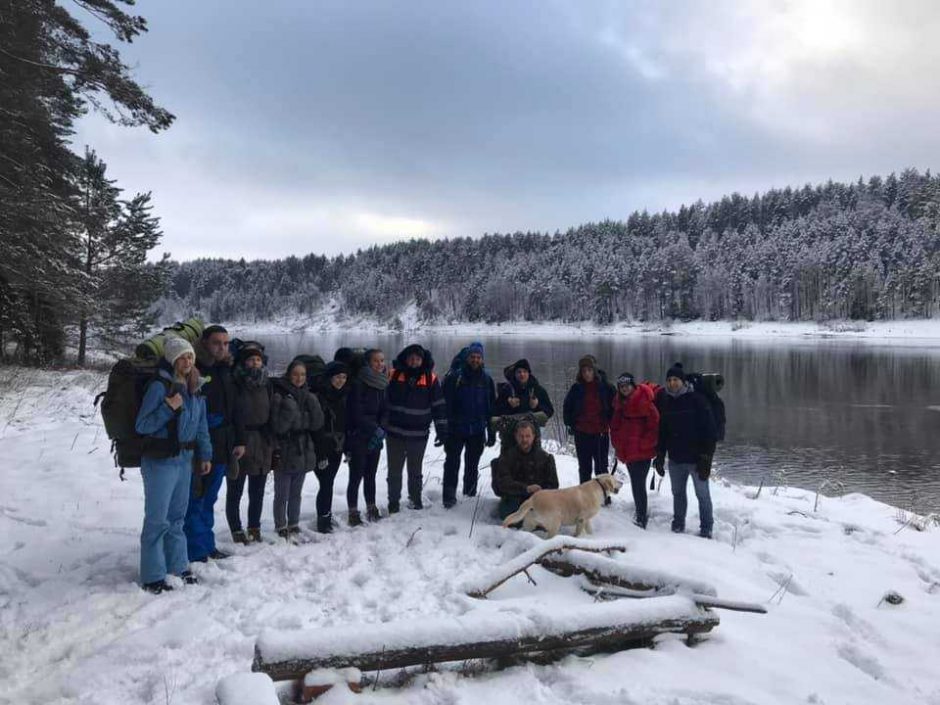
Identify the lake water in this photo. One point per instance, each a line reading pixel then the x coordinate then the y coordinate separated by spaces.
pixel 799 412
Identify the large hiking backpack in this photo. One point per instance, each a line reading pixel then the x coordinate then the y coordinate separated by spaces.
pixel 152 348
pixel 708 384
pixel 120 403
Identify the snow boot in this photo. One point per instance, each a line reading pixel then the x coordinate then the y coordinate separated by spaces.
pixel 416 503
pixel 218 555
pixel 157 586
pixel 393 508
pixel 354 519
pixel 240 537
pixel 705 534
pixel 372 513
pixel 284 534
pixel 640 521
pixel 294 534
pixel 325 524
pixel 188 578
pixel 255 535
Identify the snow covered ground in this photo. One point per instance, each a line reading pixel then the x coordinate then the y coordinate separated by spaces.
pixel 75 628
pixel 330 319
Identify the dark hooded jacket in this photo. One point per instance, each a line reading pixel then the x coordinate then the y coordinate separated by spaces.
pixel 331 438
pixel 414 398
pixel 512 389
pixel 253 417
pixel 220 394
pixel 470 397
pixel 365 408
pixel 514 471
pixel 686 427
pixel 295 416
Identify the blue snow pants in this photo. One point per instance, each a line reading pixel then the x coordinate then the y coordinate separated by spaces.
pixel 200 517
pixel 166 495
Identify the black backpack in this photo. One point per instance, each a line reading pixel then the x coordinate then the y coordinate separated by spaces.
pixel 120 403
pixel 708 384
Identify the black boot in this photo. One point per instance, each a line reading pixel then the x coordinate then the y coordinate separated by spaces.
pixel 394 508
pixel 189 578
pixel 240 537
pixel 325 524
pixel 157 586
pixel 255 535
pixel 218 555
pixel 354 518
pixel 372 513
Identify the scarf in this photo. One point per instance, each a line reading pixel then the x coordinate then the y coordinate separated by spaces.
pixel 684 389
pixel 373 379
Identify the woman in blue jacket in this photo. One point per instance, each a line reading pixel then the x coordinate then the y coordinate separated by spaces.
pixel 172 418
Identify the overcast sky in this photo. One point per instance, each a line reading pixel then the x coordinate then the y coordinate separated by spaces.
pixel 308 126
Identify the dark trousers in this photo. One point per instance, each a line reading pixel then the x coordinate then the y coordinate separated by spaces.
pixel 399 451
pixel 233 500
pixel 363 464
pixel 472 448
pixel 325 477
pixel 638 472
pixel 592 453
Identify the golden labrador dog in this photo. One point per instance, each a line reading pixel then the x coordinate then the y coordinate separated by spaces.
pixel 552 509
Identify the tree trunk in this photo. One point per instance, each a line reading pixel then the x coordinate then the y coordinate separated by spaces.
pixel 82 339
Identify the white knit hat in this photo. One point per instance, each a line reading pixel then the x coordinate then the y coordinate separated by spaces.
pixel 174 346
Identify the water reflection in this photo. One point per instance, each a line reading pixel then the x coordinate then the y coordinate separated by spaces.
pixel 798 412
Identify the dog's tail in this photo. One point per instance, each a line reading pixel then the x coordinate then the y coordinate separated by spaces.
pixel 519 514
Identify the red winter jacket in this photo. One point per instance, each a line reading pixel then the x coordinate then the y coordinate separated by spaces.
pixel 634 428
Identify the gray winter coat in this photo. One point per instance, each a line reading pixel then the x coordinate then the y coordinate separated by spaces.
pixel 253 403
pixel 295 415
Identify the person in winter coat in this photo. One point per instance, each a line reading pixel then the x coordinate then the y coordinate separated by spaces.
pixel 587 411
pixel 365 435
pixel 522 471
pixel 520 395
pixel 470 396
pixel 414 399
pixel 295 416
pixel 687 434
pixel 332 390
pixel 634 432
pixel 214 361
pixel 172 416
pixel 252 415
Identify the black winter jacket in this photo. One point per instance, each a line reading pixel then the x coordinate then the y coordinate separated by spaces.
pixel 331 438
pixel 220 394
pixel 511 388
pixel 686 427
pixel 414 399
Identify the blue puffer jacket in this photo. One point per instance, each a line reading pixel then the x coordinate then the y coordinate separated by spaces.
pixel 470 397
pixel 154 417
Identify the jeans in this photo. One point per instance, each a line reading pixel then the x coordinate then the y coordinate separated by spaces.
pixel 679 474
pixel 363 465
pixel 638 472
pixel 325 477
pixel 288 487
pixel 591 449
pixel 166 496
pixel 400 450
pixel 233 500
pixel 472 448
pixel 200 516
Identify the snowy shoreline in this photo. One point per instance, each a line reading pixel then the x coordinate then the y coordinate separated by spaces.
pixel 75 628
pixel 901 332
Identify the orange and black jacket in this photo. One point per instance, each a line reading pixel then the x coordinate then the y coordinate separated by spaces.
pixel 414 399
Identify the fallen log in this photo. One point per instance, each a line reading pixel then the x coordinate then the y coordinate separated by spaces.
pixel 608 626
pixel 605 591
pixel 610 572
pixel 481 587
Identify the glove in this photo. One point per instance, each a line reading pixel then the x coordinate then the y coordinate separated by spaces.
pixel 659 462
pixel 490 437
pixel 703 466
pixel 375 443
pixel 323 464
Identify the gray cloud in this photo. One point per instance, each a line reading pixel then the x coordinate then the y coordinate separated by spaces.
pixel 330 126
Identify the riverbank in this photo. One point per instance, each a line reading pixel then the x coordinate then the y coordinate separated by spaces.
pixel 329 319
pixel 75 628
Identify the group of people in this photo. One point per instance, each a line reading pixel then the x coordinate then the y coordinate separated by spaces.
pixel 211 416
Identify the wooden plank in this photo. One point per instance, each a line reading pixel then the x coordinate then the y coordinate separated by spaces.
pixel 609 626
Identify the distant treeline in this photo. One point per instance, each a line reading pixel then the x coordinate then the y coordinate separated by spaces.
pixel 866 250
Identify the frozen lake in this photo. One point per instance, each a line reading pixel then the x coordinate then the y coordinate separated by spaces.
pixel 799 412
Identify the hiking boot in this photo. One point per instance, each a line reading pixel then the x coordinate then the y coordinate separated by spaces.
pixel 678 529
pixel 450 503
pixel 705 533
pixel 284 534
pixel 393 508
pixel 353 518
pixel 218 555
pixel 325 524
pixel 188 578
pixel 240 537
pixel 416 503
pixel 372 513
pixel 255 535
pixel 640 521
pixel 157 586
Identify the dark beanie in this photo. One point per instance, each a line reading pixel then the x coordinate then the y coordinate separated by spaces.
pixel 522 364
pixel 626 378
pixel 475 347
pixel 336 368
pixel 413 349
pixel 344 355
pixel 676 371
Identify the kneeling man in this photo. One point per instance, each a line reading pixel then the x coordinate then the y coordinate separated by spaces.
pixel 522 471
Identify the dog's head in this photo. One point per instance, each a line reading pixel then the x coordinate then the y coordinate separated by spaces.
pixel 611 483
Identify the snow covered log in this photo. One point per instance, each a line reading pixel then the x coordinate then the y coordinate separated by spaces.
pixel 608 571
pixel 246 689
pixel 604 591
pixel 481 587
pixel 606 626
